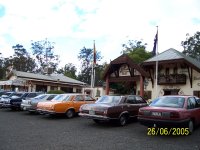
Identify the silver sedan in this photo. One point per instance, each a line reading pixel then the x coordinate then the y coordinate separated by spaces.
pixel 31 104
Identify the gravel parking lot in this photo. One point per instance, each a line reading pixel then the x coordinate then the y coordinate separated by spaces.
pixel 20 130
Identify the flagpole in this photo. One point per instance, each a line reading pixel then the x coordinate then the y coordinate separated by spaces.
pixel 156 81
pixel 92 75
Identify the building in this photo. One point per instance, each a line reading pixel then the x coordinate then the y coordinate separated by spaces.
pixel 25 81
pixel 176 74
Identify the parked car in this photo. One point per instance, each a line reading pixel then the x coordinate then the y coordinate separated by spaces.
pixel 15 100
pixel 181 111
pixel 31 104
pixel 67 104
pixel 108 108
pixel 5 97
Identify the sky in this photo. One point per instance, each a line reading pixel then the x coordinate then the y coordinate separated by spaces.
pixel 74 24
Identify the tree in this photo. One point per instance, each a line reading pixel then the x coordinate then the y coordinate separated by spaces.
pixel 21 59
pixel 136 50
pixel 192 46
pixel 69 70
pixel 86 58
pixel 2 68
pixel 43 51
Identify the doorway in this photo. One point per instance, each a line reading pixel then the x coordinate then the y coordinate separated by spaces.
pixel 171 91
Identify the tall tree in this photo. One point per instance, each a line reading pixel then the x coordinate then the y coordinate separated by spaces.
pixel 21 60
pixel 69 70
pixel 136 50
pixel 44 53
pixel 2 68
pixel 86 58
pixel 192 46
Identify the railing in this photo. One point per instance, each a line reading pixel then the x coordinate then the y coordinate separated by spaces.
pixel 172 79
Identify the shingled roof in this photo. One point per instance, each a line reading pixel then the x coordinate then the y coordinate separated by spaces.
pixel 172 54
pixel 52 77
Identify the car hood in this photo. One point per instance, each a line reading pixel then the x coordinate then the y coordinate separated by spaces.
pixel 97 106
pixel 165 109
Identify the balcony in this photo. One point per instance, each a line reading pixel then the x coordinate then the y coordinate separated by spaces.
pixel 172 79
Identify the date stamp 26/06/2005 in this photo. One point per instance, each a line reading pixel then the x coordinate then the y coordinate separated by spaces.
pixel 167 131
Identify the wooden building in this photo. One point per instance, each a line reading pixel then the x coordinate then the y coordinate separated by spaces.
pixel 25 81
pixel 177 74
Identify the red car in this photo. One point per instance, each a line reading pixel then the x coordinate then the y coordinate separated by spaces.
pixel 182 111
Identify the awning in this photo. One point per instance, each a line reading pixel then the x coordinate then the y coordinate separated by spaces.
pixel 17 82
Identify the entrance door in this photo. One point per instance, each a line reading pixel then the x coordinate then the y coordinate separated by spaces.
pixel 171 91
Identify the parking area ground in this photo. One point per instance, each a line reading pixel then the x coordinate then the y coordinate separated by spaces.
pixel 21 131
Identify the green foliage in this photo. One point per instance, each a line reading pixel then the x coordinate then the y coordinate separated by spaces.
pixel 56 92
pixel 43 51
pixel 2 68
pixel 21 59
pixel 69 70
pixel 86 58
pixel 136 50
pixel 123 88
pixel 192 46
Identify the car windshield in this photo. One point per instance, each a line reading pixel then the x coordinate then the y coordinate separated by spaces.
pixel 109 99
pixel 62 98
pixel 17 95
pixel 8 93
pixel 40 97
pixel 176 102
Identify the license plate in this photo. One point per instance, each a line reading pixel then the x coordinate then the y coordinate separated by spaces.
pixel 156 114
pixel 91 112
pixel 24 108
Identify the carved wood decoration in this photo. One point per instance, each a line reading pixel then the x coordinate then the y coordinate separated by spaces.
pixel 123 69
pixel 190 74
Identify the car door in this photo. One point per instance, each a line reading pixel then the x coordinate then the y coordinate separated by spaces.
pixel 78 100
pixel 132 105
pixel 193 109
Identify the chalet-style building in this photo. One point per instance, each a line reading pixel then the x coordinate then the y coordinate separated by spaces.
pixel 25 81
pixel 124 70
pixel 176 74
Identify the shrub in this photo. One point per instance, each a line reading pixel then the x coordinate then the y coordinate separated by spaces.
pixel 56 92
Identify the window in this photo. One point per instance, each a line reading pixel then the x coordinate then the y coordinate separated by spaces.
pixel 78 98
pixel 167 71
pixel 139 99
pixel 175 70
pixel 51 97
pixel 196 93
pixel 131 100
pixel 88 98
pixel 30 95
pixel 191 103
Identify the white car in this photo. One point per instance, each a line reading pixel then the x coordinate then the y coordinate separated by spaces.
pixel 31 104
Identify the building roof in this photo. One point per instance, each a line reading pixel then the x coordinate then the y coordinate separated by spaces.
pixel 52 77
pixel 172 54
pixel 123 59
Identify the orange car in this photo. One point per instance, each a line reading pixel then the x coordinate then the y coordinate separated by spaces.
pixel 67 104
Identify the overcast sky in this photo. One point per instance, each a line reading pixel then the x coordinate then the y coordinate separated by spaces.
pixel 74 24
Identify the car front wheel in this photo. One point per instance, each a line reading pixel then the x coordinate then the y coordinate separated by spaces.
pixel 123 120
pixel 191 126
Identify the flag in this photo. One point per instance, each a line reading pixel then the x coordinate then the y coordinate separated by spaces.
pixel 94 54
pixel 155 44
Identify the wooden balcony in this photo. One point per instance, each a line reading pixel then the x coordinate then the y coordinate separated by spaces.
pixel 172 79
